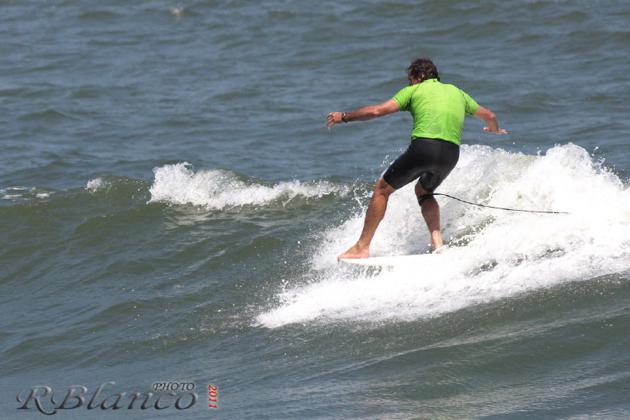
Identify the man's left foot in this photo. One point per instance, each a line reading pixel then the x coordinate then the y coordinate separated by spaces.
pixel 355 251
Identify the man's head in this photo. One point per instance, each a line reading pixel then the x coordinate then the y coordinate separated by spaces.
pixel 420 70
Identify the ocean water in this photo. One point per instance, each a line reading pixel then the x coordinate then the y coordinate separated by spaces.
pixel 172 204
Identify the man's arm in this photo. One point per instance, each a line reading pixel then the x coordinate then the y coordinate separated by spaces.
pixel 492 125
pixel 365 113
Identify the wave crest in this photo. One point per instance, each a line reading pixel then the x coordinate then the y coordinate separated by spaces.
pixel 218 189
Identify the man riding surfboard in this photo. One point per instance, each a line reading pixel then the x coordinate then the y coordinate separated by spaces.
pixel 438 111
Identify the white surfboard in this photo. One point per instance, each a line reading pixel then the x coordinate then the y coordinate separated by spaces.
pixel 393 261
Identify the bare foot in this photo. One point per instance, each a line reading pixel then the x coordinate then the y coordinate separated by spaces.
pixel 440 249
pixel 355 251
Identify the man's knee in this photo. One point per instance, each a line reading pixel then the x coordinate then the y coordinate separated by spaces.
pixel 420 191
pixel 422 194
pixel 383 188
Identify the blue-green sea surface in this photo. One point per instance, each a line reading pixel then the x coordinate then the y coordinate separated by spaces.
pixel 172 205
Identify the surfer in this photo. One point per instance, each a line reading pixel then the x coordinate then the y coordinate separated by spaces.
pixel 438 111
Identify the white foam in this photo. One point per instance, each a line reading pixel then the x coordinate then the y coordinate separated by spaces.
pixel 23 193
pixel 497 254
pixel 217 189
pixel 12 193
pixel 177 11
pixel 95 184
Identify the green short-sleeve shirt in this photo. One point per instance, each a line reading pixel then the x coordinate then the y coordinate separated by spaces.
pixel 438 109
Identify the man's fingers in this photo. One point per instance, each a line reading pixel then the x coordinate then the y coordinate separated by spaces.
pixel 499 131
pixel 330 120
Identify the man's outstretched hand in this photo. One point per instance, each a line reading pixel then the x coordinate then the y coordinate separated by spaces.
pixel 333 118
pixel 497 131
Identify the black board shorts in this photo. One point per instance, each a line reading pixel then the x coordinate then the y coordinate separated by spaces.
pixel 428 160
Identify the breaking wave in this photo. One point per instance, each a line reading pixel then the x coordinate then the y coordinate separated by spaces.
pixel 494 254
pixel 219 189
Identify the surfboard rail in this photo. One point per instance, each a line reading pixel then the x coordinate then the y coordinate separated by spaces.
pixel 391 261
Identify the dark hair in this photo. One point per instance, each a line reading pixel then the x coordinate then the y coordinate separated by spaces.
pixel 422 69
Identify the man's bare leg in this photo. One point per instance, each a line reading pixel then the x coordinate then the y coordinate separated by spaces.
pixel 373 216
pixel 431 213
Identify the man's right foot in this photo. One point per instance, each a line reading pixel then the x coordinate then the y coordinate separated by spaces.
pixel 440 249
pixel 355 252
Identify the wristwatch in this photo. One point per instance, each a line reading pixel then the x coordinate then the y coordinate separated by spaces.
pixel 343 117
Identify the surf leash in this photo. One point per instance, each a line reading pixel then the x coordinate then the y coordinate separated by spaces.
pixel 495 207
